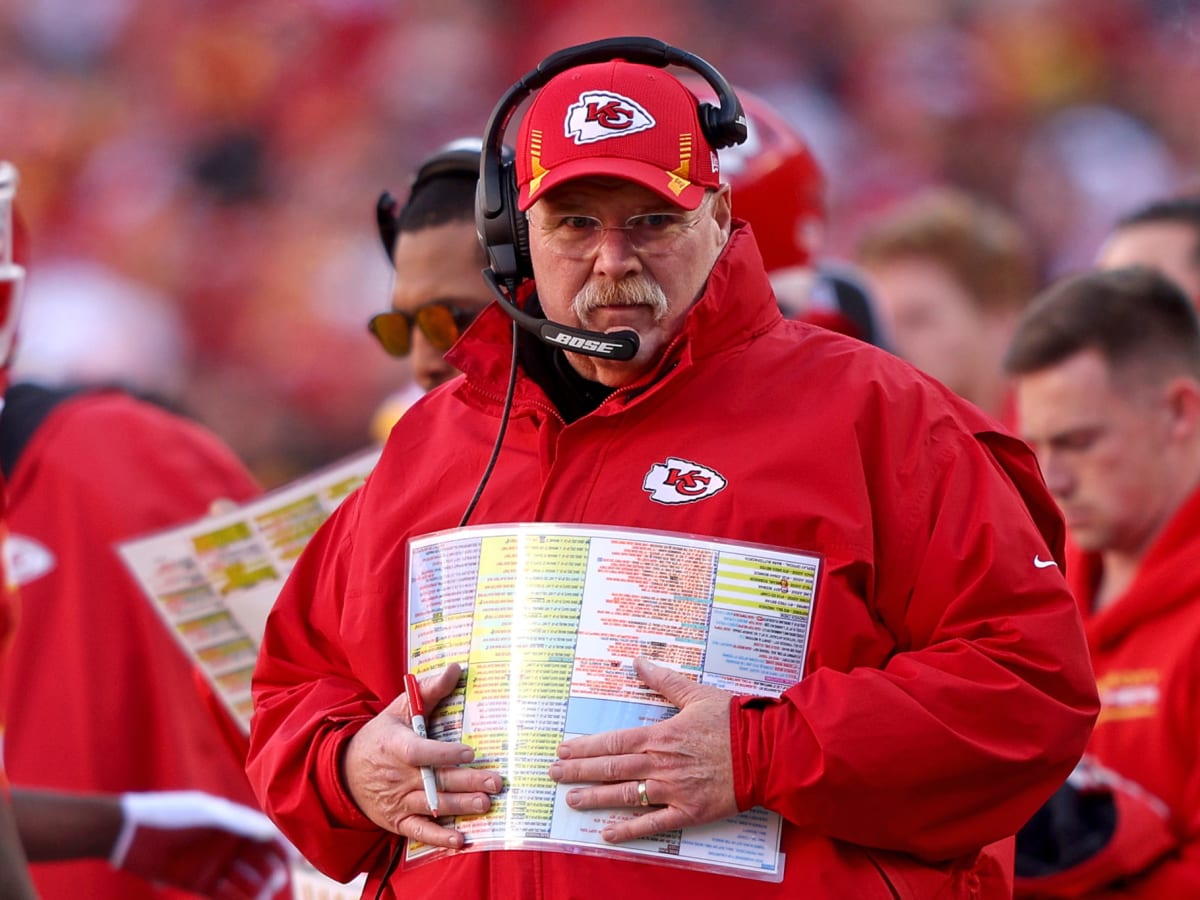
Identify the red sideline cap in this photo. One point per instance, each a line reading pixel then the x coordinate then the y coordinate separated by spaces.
pixel 619 119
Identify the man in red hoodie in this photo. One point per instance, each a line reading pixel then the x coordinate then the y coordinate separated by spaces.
pixel 103 713
pixel 1107 369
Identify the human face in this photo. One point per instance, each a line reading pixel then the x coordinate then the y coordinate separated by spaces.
pixel 438 263
pixel 619 281
pixel 1169 247
pixel 935 323
pixel 1105 449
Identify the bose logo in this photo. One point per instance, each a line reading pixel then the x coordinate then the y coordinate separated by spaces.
pixel 579 343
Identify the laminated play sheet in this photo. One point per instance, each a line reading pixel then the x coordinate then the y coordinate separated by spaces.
pixel 546 620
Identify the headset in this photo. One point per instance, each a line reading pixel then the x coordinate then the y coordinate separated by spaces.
pixel 502 228
pixel 458 158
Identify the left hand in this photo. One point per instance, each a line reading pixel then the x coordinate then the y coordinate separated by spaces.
pixel 201 843
pixel 685 761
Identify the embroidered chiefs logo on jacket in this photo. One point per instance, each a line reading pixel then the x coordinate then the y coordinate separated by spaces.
pixel 681 481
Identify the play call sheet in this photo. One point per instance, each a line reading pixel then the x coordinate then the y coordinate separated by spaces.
pixel 546 621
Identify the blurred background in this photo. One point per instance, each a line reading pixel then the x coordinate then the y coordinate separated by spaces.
pixel 199 176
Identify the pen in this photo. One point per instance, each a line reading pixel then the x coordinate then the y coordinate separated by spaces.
pixel 416 711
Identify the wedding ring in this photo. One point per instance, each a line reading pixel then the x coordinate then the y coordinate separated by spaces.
pixel 643 800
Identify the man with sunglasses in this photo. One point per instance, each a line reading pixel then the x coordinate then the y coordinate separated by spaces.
pixel 431 242
pixel 657 388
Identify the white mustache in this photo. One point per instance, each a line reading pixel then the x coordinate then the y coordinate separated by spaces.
pixel 638 291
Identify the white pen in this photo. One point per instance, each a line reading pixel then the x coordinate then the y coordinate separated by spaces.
pixel 416 711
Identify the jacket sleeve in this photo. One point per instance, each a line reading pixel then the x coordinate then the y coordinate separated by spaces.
pixel 307 705
pixel 987 700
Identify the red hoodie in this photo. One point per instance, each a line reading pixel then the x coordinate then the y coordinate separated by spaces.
pixel 1145 649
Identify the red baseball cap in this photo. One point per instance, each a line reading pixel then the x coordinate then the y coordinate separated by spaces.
pixel 617 119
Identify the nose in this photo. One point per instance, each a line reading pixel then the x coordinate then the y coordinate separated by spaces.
pixel 615 257
pixel 429 365
pixel 1060 480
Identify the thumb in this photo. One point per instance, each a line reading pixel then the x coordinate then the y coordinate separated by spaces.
pixel 435 687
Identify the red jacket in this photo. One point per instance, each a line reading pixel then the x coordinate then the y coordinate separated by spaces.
pixel 948 690
pixel 99 697
pixel 1145 649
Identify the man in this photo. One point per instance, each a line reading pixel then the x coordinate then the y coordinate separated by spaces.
pixel 437 291
pixel 895 761
pixel 114 750
pixel 951 274
pixel 1165 235
pixel 432 246
pixel 1107 369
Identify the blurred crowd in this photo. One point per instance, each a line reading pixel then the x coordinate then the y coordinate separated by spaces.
pixel 199 176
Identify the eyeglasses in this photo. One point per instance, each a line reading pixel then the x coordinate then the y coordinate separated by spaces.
pixel 578 237
pixel 439 321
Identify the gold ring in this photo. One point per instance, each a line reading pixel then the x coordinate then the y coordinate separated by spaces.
pixel 643 800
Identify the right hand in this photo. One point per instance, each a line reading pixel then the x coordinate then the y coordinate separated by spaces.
pixel 382 765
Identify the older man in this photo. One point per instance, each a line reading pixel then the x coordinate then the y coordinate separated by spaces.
pixel 945 691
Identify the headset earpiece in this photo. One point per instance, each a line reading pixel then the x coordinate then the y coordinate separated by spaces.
pixel 723 128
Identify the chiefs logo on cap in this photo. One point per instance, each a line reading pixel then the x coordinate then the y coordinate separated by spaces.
pixel 599 115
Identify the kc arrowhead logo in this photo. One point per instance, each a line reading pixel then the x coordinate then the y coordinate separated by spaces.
pixel 681 481
pixel 600 115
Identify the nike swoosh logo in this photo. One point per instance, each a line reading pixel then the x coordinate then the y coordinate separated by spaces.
pixel 1043 563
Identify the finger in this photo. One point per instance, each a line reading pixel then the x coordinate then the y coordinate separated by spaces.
pixel 430 831
pixel 612 796
pixel 438 686
pixel 457 779
pixel 606 769
pixel 242 879
pixel 417 752
pixel 468 804
pixel 252 868
pixel 675 687
pixel 656 821
pixel 275 883
pixel 607 743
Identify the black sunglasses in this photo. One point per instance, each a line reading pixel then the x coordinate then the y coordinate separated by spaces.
pixel 439 321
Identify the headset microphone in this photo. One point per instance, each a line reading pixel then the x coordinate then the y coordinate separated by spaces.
pixel 619 345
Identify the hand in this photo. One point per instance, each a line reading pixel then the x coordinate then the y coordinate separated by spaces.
pixel 201 843
pixel 382 771
pixel 685 761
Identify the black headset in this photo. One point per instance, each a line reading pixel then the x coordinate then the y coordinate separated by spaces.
pixel 502 228
pixel 457 158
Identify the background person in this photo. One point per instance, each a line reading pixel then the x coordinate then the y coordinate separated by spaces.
pixel 98 698
pixel 780 189
pixel 1107 373
pixel 436 258
pixel 925 515
pixel 1163 234
pixel 951 273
